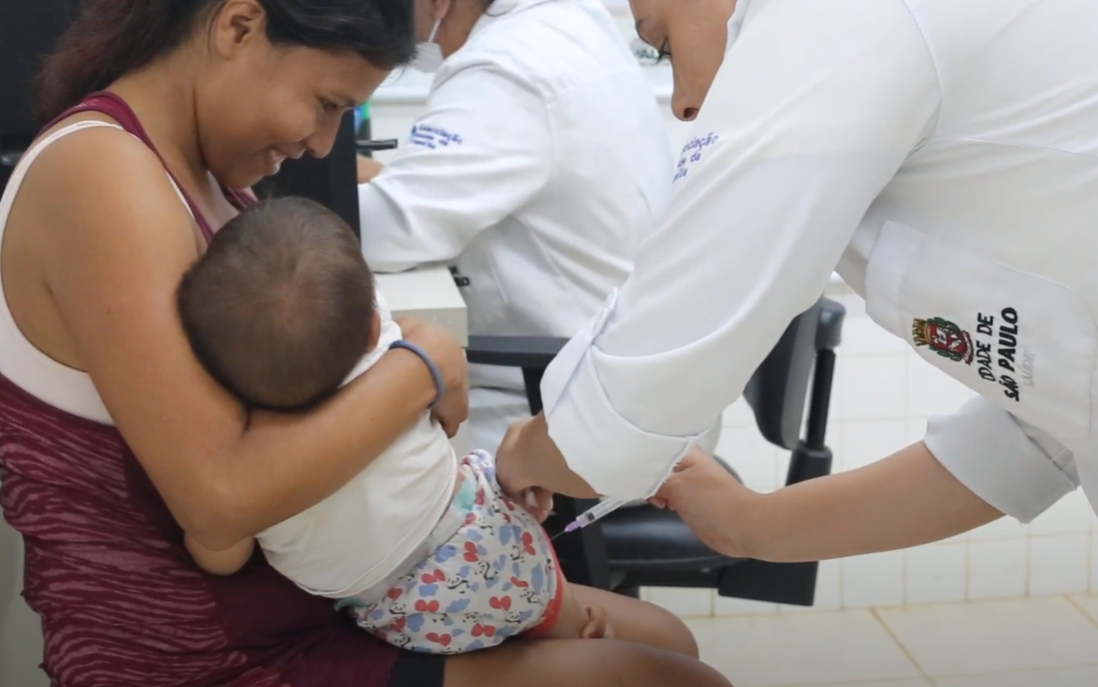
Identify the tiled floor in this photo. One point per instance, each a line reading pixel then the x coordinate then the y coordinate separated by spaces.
pixel 1042 642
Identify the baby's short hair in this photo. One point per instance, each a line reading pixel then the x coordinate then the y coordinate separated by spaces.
pixel 280 308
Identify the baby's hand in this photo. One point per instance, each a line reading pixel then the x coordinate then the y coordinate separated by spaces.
pixel 598 624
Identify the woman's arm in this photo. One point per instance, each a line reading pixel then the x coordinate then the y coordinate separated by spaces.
pixel 117 246
pixel 223 562
pixel 902 501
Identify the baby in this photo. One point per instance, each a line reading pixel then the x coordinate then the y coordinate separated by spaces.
pixel 423 548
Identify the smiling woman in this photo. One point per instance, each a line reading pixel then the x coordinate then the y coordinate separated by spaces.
pixel 309 91
pixel 115 445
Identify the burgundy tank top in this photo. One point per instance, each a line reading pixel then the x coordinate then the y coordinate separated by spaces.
pixel 121 602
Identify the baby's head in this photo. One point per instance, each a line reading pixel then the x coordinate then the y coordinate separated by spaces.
pixel 281 307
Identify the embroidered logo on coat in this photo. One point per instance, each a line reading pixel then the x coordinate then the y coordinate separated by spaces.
pixel 944 338
pixel 996 350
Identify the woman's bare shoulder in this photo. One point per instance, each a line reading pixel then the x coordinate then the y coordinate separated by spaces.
pixel 102 179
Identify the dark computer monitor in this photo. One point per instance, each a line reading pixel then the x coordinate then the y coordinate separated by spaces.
pixel 331 181
pixel 28 31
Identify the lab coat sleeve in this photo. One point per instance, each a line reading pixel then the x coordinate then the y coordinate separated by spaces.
pixel 480 151
pixel 1013 466
pixel 815 108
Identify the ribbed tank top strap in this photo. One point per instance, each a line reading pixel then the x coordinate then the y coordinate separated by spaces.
pixel 109 104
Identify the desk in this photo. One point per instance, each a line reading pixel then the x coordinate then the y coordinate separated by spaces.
pixel 428 294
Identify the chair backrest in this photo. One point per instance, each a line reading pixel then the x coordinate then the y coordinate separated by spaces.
pixel 778 390
pixel 28 30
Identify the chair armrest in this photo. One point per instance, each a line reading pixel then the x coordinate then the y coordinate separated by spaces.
pixel 527 352
pixel 829 334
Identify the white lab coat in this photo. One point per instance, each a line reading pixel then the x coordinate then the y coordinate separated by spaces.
pixel 537 168
pixel 944 156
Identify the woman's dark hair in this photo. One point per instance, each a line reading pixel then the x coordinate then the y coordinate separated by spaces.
pixel 111 38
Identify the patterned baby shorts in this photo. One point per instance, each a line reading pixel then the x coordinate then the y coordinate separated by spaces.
pixel 497 577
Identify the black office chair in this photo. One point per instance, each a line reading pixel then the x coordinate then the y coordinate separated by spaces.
pixel 643 546
pixel 27 32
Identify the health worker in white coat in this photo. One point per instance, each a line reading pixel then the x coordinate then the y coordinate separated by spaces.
pixel 943 157
pixel 538 166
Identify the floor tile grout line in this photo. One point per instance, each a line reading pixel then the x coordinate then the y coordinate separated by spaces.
pixel 933 680
pixel 896 640
pixel 1074 604
pixel 952 676
pixel 856 683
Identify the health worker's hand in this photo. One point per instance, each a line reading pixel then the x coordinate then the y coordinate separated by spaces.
pixel 708 499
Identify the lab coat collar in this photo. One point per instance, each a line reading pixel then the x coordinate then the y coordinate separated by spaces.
pixel 501 8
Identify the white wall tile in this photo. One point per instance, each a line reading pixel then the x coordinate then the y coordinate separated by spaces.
pixel 739 415
pixel 863 336
pixel 1003 528
pixel 936 573
pixel 854 304
pixel 869 441
pixel 1070 515
pixel 874 387
pixel 874 580
pixel 1094 563
pixel 836 410
pixel 1059 565
pixel 753 457
pixel 685 603
pixel 997 569
pixel 916 429
pixel 725 607
pixel 781 466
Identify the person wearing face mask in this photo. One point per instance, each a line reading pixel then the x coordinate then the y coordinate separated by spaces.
pixel 537 167
pixel 943 157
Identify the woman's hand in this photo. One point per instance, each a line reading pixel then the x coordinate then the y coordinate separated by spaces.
pixel 905 500
pixel 449 357
pixel 368 168
pixel 709 500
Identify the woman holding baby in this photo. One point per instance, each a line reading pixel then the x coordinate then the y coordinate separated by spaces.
pixel 115 443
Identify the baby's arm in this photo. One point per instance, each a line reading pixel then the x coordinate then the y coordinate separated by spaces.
pixel 224 562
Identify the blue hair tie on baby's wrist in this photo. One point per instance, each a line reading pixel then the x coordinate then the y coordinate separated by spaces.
pixel 436 374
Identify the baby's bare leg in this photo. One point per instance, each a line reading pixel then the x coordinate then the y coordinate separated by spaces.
pixel 576 620
pixel 638 621
pixel 589 613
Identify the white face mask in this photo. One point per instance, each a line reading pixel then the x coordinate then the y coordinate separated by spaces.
pixel 428 54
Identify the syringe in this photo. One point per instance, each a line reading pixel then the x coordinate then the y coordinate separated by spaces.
pixel 593 514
